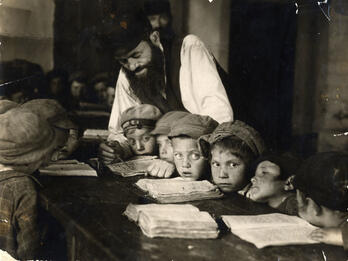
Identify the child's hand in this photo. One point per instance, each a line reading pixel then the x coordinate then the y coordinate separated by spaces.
pixel 161 169
pixel 331 236
pixel 109 152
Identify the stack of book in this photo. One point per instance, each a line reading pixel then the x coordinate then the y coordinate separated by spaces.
pixel 173 221
pixel 271 229
pixel 178 190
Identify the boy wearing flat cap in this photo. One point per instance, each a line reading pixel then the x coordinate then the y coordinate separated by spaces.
pixel 272 182
pixel 190 162
pixel 164 167
pixel 137 123
pixel 26 142
pixel 232 148
pixel 56 115
pixel 322 196
pixel 189 80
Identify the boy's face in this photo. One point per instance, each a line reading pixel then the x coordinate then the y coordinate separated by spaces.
pixel 228 170
pixel 76 89
pixel 319 215
pixel 265 183
pixel 165 148
pixel 188 160
pixel 141 141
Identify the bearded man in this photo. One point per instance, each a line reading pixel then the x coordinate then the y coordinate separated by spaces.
pixel 182 78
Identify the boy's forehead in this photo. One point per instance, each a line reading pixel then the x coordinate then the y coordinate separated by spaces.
pixel 139 132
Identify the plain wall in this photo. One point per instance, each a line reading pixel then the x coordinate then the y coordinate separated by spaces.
pixel 210 21
pixel 26 31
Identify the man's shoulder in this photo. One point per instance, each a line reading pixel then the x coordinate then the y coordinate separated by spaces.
pixel 191 40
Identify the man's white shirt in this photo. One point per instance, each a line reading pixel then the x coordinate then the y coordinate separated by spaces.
pixel 201 88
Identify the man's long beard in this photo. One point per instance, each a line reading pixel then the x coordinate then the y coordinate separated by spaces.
pixel 149 87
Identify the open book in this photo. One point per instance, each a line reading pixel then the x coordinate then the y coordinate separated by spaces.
pixel 95 134
pixel 133 211
pixel 271 229
pixel 178 190
pixel 173 221
pixel 68 168
pixel 132 167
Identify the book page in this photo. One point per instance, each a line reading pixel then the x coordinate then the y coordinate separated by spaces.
pixel 132 211
pixel 277 236
pixel 266 220
pixel 68 169
pixel 132 167
pixel 95 134
pixel 158 187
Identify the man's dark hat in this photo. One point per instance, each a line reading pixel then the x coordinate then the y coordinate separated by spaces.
pixel 152 7
pixel 124 31
pixel 324 178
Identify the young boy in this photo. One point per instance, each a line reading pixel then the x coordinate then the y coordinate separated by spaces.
pixel 272 183
pixel 322 196
pixel 189 160
pixel 56 115
pixel 164 167
pixel 26 142
pixel 137 123
pixel 233 146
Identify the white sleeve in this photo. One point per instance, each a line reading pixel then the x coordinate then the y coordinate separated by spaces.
pixel 123 100
pixel 201 88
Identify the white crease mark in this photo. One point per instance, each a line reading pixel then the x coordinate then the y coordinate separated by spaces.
pixel 341 134
pixel 324 255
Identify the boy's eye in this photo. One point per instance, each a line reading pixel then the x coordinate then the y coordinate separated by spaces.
pixel 146 138
pixel 233 165
pixel 195 156
pixel 178 156
pixel 215 164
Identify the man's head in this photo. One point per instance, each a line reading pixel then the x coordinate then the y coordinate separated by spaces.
pixel 273 177
pixel 322 189
pixel 137 48
pixel 159 14
pixel 232 146
pixel 162 130
pixel 137 123
pixel 189 160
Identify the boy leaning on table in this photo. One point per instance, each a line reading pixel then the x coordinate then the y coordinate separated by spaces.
pixel 164 166
pixel 190 161
pixel 137 122
pixel 26 142
pixel 322 196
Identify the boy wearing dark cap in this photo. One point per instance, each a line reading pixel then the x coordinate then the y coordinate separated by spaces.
pixel 164 167
pixel 272 183
pixel 26 142
pixel 137 123
pixel 56 115
pixel 190 162
pixel 233 146
pixel 322 196
pixel 188 80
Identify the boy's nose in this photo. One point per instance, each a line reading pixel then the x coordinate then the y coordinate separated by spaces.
pixel 223 173
pixel 139 145
pixel 186 163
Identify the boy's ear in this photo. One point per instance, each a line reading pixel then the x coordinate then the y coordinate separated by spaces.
pixel 288 185
pixel 155 38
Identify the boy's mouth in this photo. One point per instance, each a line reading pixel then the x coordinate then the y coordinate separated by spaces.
pixel 186 174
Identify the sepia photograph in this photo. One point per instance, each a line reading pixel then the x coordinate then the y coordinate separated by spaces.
pixel 174 130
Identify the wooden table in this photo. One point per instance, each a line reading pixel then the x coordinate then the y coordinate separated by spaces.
pixel 90 209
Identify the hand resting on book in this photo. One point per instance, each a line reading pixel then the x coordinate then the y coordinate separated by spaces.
pixel 161 169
